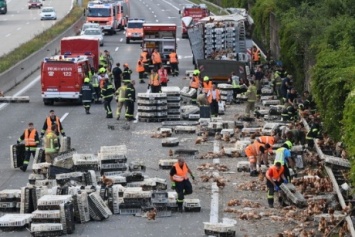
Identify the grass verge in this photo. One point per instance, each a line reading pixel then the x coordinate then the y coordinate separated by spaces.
pixel 26 49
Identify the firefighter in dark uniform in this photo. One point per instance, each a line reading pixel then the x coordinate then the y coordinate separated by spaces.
pixel 52 119
pixel 126 74
pixel 130 100
pixel 31 138
pixel 180 182
pixel 107 92
pixel 313 133
pixel 87 94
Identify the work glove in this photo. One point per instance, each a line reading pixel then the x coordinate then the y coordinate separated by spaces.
pixel 277 188
pixel 18 142
pixel 173 185
pixel 193 177
pixel 285 181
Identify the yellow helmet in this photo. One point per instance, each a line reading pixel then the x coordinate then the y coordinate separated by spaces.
pixel 102 70
pixel 206 78
pixel 196 72
pixel 86 79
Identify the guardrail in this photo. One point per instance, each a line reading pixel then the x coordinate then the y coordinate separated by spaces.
pixel 27 66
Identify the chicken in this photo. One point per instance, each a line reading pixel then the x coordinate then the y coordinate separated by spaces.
pixel 233 202
pixel 198 140
pixel 217 136
pixel 106 181
pixel 156 135
pixel 151 214
pixel 226 137
pixel 205 178
pixel 221 183
pixel 1 94
pixel 261 177
pixel 171 153
pixel 322 225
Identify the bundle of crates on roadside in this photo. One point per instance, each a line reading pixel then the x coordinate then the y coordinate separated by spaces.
pixel 113 159
pixel 152 107
pixel 173 102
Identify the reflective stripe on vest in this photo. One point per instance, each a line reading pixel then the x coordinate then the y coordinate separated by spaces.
pixel 49 124
pixel 280 155
pixel 30 138
pixel 154 79
pixel 181 173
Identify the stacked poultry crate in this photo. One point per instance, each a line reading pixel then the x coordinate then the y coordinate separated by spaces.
pixel 113 159
pixel 152 107
pixel 173 99
pixel 226 92
pixel 10 200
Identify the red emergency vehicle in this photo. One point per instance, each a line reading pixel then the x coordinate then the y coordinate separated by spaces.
pixel 80 45
pixel 62 77
pixel 190 14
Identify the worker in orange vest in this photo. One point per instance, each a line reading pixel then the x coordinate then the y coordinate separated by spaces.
pixel 274 178
pixel 255 55
pixel 180 181
pixel 195 84
pixel 156 59
pixel 213 98
pixel 207 84
pixel 50 120
pixel 140 69
pixel 173 60
pixel 163 75
pixel 31 138
pixel 154 82
pixel 145 56
pixel 271 140
pixel 254 152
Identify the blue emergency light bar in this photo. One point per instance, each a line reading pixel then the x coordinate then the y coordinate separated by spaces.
pixel 67 53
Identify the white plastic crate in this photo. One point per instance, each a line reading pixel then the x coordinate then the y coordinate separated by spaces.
pixel 64 160
pixel 81 207
pixel 267 97
pixel 113 173
pixel 145 183
pixel 151 95
pixel 85 159
pixel 219 227
pixel 266 90
pixel 15 220
pixel 121 158
pixel 46 227
pixel 121 166
pixel 41 166
pixel 10 194
pixel 142 108
pixel 215 125
pixel 248 131
pixel 243 166
pixel 53 200
pixel 32 178
pixel 167 162
pixel 269 128
pixel 117 179
pixel 228 131
pixel 270 102
pixel 182 129
pixel 193 205
pixel 129 193
pixel 170 141
pixel 98 207
pixel 46 214
pixel 46 182
pixel 171 90
pixel 119 149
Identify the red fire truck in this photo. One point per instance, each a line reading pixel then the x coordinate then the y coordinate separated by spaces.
pixel 62 77
pixel 80 45
pixel 190 14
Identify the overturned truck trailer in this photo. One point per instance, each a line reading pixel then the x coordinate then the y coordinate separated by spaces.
pixel 220 44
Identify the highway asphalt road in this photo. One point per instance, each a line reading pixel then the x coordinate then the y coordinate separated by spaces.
pixel 89 132
pixel 21 24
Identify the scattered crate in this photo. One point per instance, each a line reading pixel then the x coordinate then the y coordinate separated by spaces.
pixel 243 166
pixel 167 163
pixel 291 193
pixel 170 142
pixel 250 131
pixel 192 205
pixel 67 217
pixel 52 202
pixel 46 229
pixel 112 158
pixel 26 205
pixel 90 177
pixel 64 178
pixel 186 110
pixel 108 167
pixel 129 208
pixel 185 129
pixel 17 153
pixel 160 197
pixel 219 229
pixel 117 179
pixel 14 99
pixel 269 128
pixel 15 221
pixel 65 144
pixel 83 162
pixel 32 178
pixel 179 123
pixel 98 208
pixel 267 90
pixel 54 170
pixel 190 152
pixel 227 131
pixel 335 161
pixel 39 155
pixel 119 149
pixel 133 176
pixel 270 102
pixel 136 166
pixel 64 160
pixel 267 97
pixel 46 216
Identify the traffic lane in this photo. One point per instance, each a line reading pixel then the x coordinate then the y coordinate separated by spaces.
pixel 29 22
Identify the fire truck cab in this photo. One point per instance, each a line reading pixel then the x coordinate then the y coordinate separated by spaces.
pixel 62 77
pixel 104 14
pixel 134 30
pixel 190 14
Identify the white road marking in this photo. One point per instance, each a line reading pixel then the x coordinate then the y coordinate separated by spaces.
pixel 63 117
pixel 18 28
pixel 155 16
pixel 153 12
pixel 27 23
pixel 214 203
pixel 12 15
pixel 8 35
pixel 190 56
pixel 116 49
pixel 20 92
pixel 121 39
pixel 172 17
pixel 5 19
pixel 156 20
pixel 171 5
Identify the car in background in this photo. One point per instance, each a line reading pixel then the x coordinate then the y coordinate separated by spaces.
pixel 94 33
pixel 35 4
pixel 89 25
pixel 48 13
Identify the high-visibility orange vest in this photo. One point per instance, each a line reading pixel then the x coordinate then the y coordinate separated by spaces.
pixel 195 82
pixel 256 55
pixel 156 58
pixel 140 66
pixel 181 173
pixel 163 75
pixel 207 86
pixel 275 174
pixel 30 138
pixel 144 55
pixel 154 79
pixel 210 96
pixel 267 140
pixel 49 124
pixel 173 58
pixel 253 149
